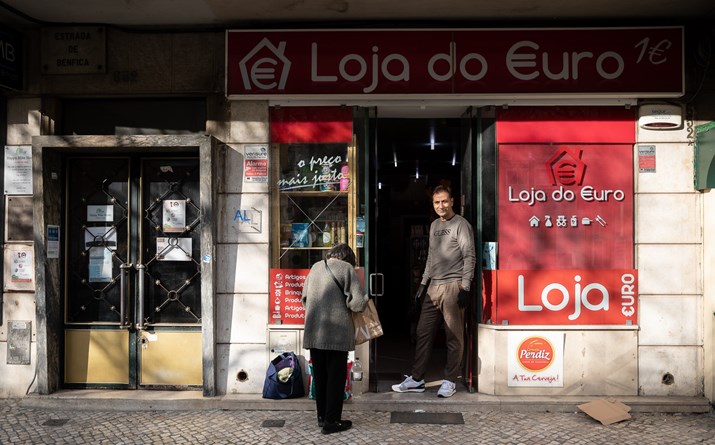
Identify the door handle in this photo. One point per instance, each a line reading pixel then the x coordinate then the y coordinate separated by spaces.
pixel 376 284
pixel 123 273
pixel 139 322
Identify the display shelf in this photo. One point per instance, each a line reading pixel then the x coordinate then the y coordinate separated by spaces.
pixel 314 191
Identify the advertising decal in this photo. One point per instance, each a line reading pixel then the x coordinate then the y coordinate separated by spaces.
pixel 286 292
pixel 536 359
pixel 566 235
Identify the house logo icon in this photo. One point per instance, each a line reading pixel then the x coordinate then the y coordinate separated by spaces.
pixel 566 167
pixel 265 67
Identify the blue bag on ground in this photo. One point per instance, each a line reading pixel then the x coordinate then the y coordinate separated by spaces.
pixel 284 378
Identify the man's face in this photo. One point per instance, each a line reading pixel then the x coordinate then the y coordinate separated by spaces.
pixel 443 205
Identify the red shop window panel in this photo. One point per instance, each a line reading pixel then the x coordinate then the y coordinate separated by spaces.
pixel 311 125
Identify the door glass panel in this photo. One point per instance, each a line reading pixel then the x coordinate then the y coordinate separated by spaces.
pixel 97 227
pixel 171 242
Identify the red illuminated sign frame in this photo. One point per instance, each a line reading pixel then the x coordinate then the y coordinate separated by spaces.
pixel 645 62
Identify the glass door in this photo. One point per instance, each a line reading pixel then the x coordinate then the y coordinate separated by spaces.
pixel 132 273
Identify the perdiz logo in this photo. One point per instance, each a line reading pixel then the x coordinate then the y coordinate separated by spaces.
pixel 535 354
pixel 265 67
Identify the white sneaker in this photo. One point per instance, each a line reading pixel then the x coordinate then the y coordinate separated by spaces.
pixel 409 385
pixel 447 389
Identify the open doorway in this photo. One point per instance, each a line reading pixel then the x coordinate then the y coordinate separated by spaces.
pixel 413 156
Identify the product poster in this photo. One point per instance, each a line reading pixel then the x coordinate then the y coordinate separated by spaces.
pixel 18 170
pixel 286 292
pixel 173 249
pixel 105 237
pixel 100 213
pixel 100 265
pixel 174 215
pixel 536 359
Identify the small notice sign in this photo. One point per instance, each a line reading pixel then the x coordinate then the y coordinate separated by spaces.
pixel 255 165
pixel 174 215
pixel 18 170
pixel 646 158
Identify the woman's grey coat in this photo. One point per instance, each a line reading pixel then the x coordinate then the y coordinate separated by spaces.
pixel 328 318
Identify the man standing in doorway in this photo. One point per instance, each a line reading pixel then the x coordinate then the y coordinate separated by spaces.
pixel 449 271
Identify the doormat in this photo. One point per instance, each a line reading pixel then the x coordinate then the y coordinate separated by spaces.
pixel 55 422
pixel 274 423
pixel 427 418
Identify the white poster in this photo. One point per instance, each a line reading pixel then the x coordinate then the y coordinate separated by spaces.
pixel 100 213
pixel 536 359
pixel 173 249
pixel 100 237
pixel 18 170
pixel 21 269
pixel 174 215
pixel 100 265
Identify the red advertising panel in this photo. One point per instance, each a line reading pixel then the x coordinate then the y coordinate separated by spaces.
pixel 601 61
pixel 567 297
pixel 565 206
pixel 286 291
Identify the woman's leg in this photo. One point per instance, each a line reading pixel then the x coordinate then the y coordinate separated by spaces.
pixel 337 362
pixel 319 358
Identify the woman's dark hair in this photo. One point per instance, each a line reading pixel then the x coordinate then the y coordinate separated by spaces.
pixel 342 251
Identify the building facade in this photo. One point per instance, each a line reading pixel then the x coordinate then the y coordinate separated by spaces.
pixel 178 185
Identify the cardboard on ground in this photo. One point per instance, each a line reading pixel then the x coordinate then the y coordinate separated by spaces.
pixel 606 411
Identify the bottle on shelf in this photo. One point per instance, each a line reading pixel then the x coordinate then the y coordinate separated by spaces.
pixel 318 237
pixel 357 370
pixel 328 235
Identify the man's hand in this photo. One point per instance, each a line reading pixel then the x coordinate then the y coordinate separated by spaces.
pixel 462 298
pixel 420 293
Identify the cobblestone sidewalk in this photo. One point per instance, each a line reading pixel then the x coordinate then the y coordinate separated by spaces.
pixel 20 425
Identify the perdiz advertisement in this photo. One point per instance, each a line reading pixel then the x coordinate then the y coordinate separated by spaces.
pixel 536 359
pixel 286 292
pixel 393 62
pixel 566 235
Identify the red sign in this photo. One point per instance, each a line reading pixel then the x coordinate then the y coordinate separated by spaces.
pixel 567 297
pixel 600 61
pixel 565 206
pixel 286 292
pixel 535 354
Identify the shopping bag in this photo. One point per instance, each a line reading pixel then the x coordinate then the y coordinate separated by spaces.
pixel 347 394
pixel 367 324
pixel 284 378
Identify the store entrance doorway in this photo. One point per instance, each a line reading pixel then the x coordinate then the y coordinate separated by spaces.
pixel 410 157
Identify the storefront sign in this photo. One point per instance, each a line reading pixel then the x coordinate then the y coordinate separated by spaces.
pixel 565 206
pixel 536 359
pixel 567 297
pixel 599 61
pixel 286 292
